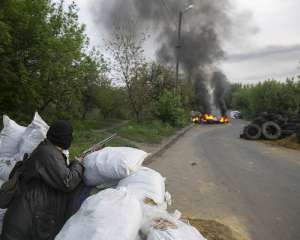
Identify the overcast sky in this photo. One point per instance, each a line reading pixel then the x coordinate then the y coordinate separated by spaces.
pixel 272 51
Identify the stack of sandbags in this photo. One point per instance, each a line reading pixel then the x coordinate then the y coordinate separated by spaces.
pixel 113 214
pixel 112 164
pixel 158 224
pixel 16 140
pixel 122 167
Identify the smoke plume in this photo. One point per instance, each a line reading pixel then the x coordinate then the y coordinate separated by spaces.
pixel 203 29
pixel 220 85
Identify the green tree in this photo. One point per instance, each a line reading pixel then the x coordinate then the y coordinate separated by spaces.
pixel 125 47
pixel 170 109
pixel 41 53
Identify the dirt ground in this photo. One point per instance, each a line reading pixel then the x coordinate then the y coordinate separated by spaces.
pixel 290 142
pixel 214 230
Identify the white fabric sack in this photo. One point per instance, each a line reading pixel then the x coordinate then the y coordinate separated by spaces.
pixel 34 134
pixel 6 166
pixel 10 137
pixel 112 214
pixel 146 183
pixel 112 164
pixel 151 213
pixel 182 231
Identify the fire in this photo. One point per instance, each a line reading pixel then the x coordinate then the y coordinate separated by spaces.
pixel 212 119
pixel 195 119
pixel 209 118
pixel 224 120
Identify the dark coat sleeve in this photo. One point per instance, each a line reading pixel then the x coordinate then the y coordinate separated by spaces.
pixel 54 171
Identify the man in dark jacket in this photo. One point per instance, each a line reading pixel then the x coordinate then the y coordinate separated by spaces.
pixel 39 211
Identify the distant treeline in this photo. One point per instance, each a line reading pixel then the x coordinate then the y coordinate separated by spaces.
pixel 45 65
pixel 270 96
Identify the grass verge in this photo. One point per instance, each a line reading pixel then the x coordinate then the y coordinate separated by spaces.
pixel 85 139
pixel 89 133
pixel 149 132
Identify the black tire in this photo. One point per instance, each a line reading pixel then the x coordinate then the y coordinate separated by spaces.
pixel 271 130
pixel 290 126
pixel 259 121
pixel 252 132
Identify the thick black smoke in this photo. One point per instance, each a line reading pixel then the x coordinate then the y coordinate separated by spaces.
pixel 203 97
pixel 220 86
pixel 203 28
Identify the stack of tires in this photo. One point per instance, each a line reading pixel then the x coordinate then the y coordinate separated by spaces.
pixel 272 127
pixel 269 130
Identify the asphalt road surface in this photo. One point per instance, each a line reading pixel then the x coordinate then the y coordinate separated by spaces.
pixel 251 186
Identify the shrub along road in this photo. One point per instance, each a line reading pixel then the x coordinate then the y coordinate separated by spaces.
pixel 251 186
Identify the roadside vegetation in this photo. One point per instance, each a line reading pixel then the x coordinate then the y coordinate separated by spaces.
pixel 147 132
pixel 270 96
pixel 46 65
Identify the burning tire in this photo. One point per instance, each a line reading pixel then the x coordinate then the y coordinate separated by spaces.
pixel 271 130
pixel 252 132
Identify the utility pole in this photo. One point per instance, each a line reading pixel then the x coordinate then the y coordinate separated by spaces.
pixel 179 46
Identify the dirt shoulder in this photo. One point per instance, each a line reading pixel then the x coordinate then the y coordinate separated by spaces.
pixel 290 142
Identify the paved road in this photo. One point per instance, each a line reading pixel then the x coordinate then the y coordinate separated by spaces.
pixel 253 187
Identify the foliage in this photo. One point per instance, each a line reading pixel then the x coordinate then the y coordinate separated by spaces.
pixel 129 64
pixel 270 96
pixel 43 63
pixel 170 110
pixel 46 66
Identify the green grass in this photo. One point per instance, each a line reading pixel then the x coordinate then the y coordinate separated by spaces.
pixel 85 139
pixel 151 132
pixel 94 124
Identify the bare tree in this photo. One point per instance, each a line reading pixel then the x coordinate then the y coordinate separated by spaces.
pixel 126 48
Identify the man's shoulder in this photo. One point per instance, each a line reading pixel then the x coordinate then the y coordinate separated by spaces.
pixel 46 149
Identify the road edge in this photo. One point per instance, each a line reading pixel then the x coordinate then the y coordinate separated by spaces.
pixel 151 158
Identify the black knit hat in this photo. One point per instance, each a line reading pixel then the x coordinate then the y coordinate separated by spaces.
pixel 60 134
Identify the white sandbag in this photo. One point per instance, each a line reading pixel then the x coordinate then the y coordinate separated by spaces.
pixel 10 137
pixel 162 230
pixel 6 166
pixel 2 214
pixel 146 183
pixel 151 213
pixel 112 214
pixel 112 164
pixel 34 134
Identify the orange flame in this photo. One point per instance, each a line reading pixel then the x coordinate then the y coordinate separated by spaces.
pixel 224 120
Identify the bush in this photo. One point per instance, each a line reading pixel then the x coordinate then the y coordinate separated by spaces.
pixel 170 110
pixel 270 96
